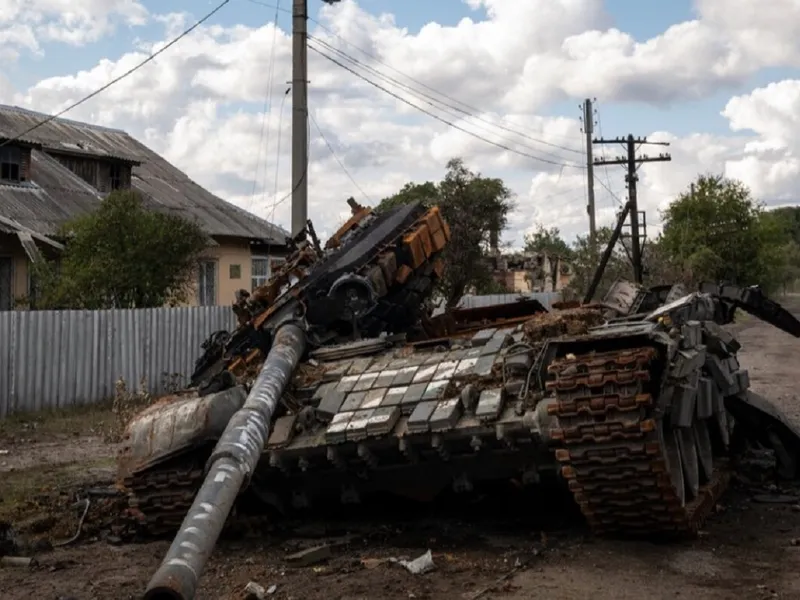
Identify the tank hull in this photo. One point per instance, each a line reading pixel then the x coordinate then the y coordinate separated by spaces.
pixel 635 418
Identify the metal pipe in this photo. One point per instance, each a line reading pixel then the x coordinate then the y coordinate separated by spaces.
pixel 229 468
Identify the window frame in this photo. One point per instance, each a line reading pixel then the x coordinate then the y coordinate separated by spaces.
pixel 11 281
pixel 257 281
pixel 13 157
pixel 202 283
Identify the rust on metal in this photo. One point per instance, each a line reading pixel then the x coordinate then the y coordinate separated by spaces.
pixel 614 457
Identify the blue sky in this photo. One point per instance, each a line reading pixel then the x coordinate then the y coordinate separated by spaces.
pixel 640 19
pixel 417 152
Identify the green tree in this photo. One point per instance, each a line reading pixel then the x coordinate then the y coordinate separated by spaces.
pixel 720 232
pixel 121 256
pixel 584 264
pixel 473 207
pixel 790 216
pixel 785 257
pixel 549 241
pixel 658 267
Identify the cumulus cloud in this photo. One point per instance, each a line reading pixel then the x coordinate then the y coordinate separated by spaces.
pixel 24 24
pixel 209 104
pixel 770 164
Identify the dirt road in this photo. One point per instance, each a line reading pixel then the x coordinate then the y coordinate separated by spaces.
pixel 750 548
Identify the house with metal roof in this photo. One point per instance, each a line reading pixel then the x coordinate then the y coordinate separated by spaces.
pixel 64 168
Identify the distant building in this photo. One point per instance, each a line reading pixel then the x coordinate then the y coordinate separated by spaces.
pixel 528 272
pixel 65 168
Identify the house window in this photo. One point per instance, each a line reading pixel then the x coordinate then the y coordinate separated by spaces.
pixel 235 271
pixel 260 270
pixel 6 283
pixel 207 283
pixel 11 163
pixel 262 267
pixel 116 178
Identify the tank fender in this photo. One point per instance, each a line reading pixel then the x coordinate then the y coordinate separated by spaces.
pixel 175 425
pixel 762 422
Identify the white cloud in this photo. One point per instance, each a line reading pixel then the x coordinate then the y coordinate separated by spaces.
pixel 74 22
pixel 770 166
pixel 201 103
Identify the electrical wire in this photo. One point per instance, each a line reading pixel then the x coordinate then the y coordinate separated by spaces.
pixel 278 152
pixel 605 167
pixel 276 203
pixel 434 102
pixel 120 77
pixel 336 158
pixel 302 177
pixel 441 119
pixel 468 109
pixel 266 117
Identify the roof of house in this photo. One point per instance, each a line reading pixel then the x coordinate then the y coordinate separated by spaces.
pixel 56 194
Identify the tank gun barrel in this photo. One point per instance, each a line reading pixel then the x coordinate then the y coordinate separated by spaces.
pixel 228 469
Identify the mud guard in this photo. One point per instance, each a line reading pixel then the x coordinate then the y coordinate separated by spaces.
pixel 752 300
pixel 174 426
pixel 764 423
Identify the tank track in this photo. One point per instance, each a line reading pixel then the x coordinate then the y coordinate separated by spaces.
pixel 616 451
pixel 159 499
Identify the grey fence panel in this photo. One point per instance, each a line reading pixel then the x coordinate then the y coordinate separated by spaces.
pixel 57 359
pixel 546 298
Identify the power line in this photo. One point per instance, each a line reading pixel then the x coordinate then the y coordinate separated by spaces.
pixel 299 182
pixel 419 94
pixel 278 152
pixel 606 185
pixel 296 185
pixel 119 78
pixel 336 158
pixel 434 102
pixel 441 119
pixel 632 162
pixel 468 109
pixel 266 118
pixel 609 190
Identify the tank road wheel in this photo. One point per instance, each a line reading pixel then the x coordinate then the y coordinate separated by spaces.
pixel 689 461
pixel 671 445
pixel 705 454
pixel 723 426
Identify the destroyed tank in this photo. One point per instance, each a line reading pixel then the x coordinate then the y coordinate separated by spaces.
pixel 338 384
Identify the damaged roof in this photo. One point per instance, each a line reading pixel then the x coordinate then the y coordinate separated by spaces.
pixel 55 194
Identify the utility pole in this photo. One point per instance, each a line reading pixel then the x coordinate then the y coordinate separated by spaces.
pixel 632 162
pixel 299 115
pixel 588 129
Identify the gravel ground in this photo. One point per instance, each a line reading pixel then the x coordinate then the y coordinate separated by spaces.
pixel 749 548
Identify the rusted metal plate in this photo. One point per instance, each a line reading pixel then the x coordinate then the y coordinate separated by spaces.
pixel 173 425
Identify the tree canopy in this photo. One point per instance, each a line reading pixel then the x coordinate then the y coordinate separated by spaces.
pixel 717 231
pixel 121 256
pixel 474 206
pixel 549 241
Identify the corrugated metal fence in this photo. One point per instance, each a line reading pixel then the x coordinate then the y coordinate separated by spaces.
pixel 546 298
pixel 56 359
